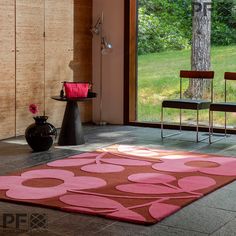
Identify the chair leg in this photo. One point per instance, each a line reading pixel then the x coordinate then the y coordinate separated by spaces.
pixel 162 126
pixel 225 125
pixel 211 131
pixel 180 120
pixel 197 128
pixel 162 135
pixel 210 125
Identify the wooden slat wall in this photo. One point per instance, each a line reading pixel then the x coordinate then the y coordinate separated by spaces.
pixel 58 54
pixel 7 71
pixel 29 60
pixel 82 63
pixel 39 64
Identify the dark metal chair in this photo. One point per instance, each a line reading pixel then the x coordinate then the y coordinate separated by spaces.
pixel 222 107
pixel 190 104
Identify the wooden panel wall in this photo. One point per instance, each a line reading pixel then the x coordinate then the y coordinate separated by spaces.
pixel 7 71
pixel 58 54
pixel 43 42
pixel 82 63
pixel 29 60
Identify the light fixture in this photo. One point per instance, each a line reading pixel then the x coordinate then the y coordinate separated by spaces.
pixel 105 48
pixel 97 28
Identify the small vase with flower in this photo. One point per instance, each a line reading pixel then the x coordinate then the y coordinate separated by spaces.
pixel 40 134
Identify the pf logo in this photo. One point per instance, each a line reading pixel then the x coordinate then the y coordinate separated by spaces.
pixel 22 221
pixel 202 6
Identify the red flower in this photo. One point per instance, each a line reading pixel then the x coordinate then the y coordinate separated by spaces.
pixel 33 108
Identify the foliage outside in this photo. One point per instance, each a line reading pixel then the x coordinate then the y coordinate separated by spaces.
pixel 167 24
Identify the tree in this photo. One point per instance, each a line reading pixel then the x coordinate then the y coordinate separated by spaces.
pixel 201 45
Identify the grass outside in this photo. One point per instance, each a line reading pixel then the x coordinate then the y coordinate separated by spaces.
pixel 158 79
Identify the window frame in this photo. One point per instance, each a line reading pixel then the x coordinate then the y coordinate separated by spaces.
pixel 130 75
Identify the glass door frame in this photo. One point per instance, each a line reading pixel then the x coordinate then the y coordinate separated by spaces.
pixel 130 61
pixel 131 67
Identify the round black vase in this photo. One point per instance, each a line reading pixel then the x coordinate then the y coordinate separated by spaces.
pixel 40 135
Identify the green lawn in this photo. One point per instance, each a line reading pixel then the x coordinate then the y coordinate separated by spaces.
pixel 158 79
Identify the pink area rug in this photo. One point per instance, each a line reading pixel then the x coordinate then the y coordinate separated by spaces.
pixel 127 183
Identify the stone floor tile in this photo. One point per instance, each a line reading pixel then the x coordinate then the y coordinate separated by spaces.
pixel 231 186
pixel 221 199
pixel 79 224
pixel 119 229
pixel 198 218
pixel 228 229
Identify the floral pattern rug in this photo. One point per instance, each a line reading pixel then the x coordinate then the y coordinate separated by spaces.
pixel 128 183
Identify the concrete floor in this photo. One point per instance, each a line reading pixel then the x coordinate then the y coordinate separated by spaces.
pixel 213 215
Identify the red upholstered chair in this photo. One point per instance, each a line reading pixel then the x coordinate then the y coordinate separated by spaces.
pixel 190 104
pixel 222 107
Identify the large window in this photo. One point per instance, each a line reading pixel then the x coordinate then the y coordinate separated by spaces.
pixel 163 47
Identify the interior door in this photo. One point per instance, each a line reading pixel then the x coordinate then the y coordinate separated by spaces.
pixel 7 68
pixel 29 60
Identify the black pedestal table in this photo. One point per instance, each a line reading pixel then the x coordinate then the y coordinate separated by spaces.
pixel 71 129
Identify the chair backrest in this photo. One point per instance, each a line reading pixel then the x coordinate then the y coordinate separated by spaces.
pixel 228 76
pixel 189 74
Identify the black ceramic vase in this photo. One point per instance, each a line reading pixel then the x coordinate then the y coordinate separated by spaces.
pixel 40 135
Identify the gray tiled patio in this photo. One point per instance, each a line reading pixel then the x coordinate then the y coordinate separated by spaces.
pixel 213 215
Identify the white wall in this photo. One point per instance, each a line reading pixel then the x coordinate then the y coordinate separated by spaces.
pixel 113 69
